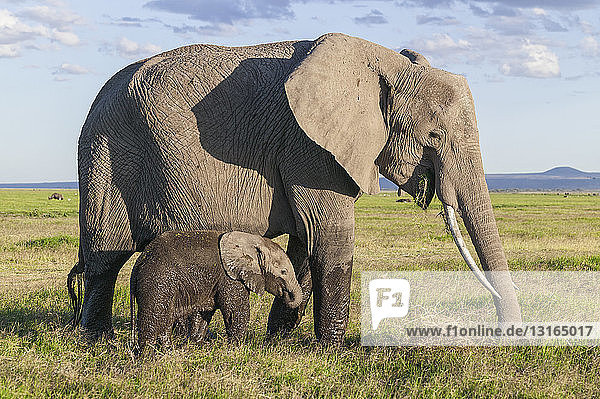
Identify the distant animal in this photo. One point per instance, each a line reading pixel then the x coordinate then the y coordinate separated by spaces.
pixel 404 200
pixel 56 196
pixel 185 276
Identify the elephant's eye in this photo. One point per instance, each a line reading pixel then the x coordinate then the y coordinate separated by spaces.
pixel 283 272
pixel 435 135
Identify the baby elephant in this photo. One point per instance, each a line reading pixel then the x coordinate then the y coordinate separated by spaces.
pixel 186 276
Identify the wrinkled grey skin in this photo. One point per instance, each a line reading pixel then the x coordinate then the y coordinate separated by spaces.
pixel 272 139
pixel 186 276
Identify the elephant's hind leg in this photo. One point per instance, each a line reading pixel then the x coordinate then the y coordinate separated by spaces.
pixel 96 318
pixel 282 319
pixel 198 328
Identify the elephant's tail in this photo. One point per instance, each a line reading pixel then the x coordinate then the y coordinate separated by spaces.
pixel 75 277
pixel 132 285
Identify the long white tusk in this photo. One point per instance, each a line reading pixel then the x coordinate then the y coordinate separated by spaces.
pixel 464 251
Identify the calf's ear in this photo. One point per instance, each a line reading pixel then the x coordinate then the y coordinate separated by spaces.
pixel 240 256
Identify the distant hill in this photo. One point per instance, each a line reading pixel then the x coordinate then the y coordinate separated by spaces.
pixel 45 185
pixel 563 178
pixel 566 171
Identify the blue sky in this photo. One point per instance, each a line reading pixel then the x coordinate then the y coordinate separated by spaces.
pixel 533 65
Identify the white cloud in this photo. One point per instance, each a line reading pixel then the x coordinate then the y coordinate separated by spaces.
pixel 518 25
pixel 217 29
pixel 590 46
pixel 66 38
pixel 428 19
pixel 62 72
pixel 127 48
pixel 440 45
pixel 9 51
pixel 51 16
pixel 532 60
pixel 510 55
pixel 13 30
pixel 442 42
pixel 72 69
pixel 539 11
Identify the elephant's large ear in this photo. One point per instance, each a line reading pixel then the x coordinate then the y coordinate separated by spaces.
pixel 337 99
pixel 415 58
pixel 241 259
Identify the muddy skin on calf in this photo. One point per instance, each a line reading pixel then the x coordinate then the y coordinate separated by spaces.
pixel 183 277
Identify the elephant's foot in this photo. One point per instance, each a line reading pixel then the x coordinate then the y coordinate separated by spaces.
pixel 97 329
pixel 94 336
pixel 202 338
pixel 331 319
pixel 333 334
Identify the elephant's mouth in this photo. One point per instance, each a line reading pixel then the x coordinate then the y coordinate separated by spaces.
pixel 421 186
pixel 425 189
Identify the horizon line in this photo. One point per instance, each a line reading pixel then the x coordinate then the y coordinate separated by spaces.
pixel 486 173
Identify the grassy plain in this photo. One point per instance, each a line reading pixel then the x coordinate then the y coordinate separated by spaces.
pixel 40 357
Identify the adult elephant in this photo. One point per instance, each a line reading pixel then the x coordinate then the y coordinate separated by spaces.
pixel 272 139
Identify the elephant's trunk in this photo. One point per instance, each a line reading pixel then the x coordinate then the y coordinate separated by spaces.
pixel 478 216
pixel 292 294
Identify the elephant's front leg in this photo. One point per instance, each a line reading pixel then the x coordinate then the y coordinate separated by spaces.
pixel 282 319
pixel 331 270
pixel 234 302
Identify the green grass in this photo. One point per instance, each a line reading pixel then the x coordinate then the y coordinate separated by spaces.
pixel 35 203
pixel 52 242
pixel 40 357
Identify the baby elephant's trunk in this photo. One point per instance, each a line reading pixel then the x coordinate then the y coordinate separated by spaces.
pixel 293 294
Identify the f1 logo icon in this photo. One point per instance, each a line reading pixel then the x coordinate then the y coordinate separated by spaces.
pixel 389 298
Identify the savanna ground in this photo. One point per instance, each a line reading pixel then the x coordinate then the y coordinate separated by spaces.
pixel 39 356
